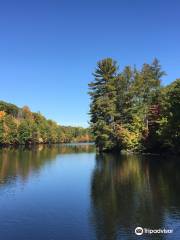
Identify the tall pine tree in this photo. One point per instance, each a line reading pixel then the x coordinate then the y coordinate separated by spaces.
pixel 103 103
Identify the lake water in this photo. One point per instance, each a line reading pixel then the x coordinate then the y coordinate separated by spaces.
pixel 68 192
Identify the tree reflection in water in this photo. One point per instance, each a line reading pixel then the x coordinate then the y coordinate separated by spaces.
pixel 130 190
pixel 21 162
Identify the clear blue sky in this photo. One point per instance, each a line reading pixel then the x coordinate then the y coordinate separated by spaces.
pixel 49 48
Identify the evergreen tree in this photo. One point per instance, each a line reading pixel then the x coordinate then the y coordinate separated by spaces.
pixel 103 105
pixel 168 132
pixel 126 107
pixel 123 95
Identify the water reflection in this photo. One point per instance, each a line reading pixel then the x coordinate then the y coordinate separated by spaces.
pixel 78 195
pixel 21 162
pixel 129 191
pixel 44 192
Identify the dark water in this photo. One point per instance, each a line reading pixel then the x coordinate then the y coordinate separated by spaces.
pixel 67 192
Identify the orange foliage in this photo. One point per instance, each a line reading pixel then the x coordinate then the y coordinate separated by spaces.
pixel 2 114
pixel 83 138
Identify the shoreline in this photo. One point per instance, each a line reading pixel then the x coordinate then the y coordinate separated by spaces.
pixel 40 144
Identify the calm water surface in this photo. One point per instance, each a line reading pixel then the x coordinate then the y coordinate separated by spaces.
pixel 68 192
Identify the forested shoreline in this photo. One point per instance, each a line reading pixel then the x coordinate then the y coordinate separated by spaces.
pixel 131 110
pixel 21 126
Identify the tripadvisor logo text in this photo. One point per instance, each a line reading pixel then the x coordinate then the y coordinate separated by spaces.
pixel 141 231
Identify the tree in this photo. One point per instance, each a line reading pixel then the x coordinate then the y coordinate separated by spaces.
pixel 123 95
pixel 169 122
pixel 126 107
pixel 24 132
pixel 21 126
pixel 11 133
pixel 2 115
pixel 103 103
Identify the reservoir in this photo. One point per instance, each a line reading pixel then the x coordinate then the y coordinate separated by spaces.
pixel 68 191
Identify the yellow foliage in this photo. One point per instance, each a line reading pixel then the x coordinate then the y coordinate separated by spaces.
pixel 127 139
pixel 83 138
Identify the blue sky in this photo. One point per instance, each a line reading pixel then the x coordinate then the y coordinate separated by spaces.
pixel 49 48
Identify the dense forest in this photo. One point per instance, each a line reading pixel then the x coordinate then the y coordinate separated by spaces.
pixel 131 109
pixel 21 126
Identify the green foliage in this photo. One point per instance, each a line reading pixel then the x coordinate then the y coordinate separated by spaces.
pixel 25 132
pixel 131 110
pixel 9 108
pixel 21 126
pixel 11 133
pixel 169 130
pixel 1 130
pixel 103 105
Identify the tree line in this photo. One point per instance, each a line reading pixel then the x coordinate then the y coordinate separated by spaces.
pixel 22 126
pixel 132 110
